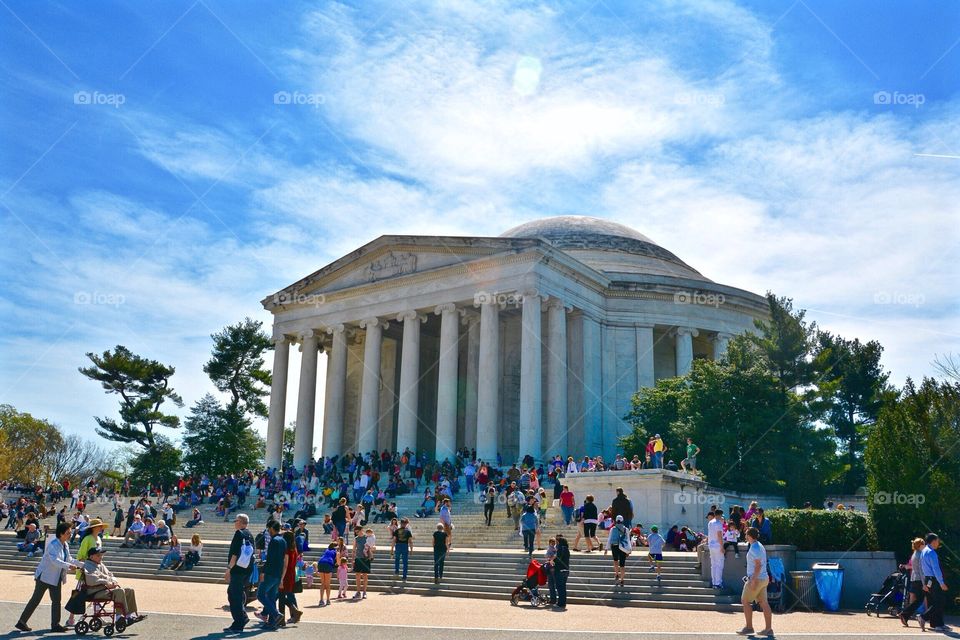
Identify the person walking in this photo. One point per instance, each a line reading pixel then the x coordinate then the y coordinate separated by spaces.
pixel 590 516
pixel 561 572
pixel 689 463
pixel 239 567
pixel 489 502
pixel 403 545
pixel 567 505
pixel 755 588
pixel 618 534
pixel 273 567
pixel 49 575
pixel 933 585
pixel 529 525
pixel 916 581
pixel 440 546
pixel 446 519
pixel 715 547
pixel 288 584
pixel 622 507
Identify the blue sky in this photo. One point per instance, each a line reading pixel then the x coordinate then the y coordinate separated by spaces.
pixel 152 188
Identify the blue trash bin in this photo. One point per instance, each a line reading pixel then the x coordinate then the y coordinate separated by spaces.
pixel 828 577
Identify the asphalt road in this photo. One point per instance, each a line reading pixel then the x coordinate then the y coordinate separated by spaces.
pixel 175 627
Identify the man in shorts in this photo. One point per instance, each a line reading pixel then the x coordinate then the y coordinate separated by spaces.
pixel 689 463
pixel 656 542
pixel 755 587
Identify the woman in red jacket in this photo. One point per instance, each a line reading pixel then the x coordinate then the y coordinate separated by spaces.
pixel 289 581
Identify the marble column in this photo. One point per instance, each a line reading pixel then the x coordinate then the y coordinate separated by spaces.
pixel 592 386
pixel 557 424
pixel 470 385
pixel 645 375
pixel 488 382
pixel 307 399
pixel 336 388
pixel 531 378
pixel 684 348
pixel 278 402
pixel 720 343
pixel 447 367
pixel 409 379
pixel 370 386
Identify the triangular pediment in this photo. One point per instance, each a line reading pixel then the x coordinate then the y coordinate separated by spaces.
pixel 391 257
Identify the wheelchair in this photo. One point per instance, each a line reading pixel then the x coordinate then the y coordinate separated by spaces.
pixel 99 613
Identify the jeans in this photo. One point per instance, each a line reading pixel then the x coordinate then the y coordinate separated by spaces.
pixel 658 460
pixel 168 560
pixel 488 513
pixel 469 484
pixel 567 514
pixel 237 597
pixel 529 537
pixel 439 555
pixel 38 590
pixel 267 594
pixel 560 581
pixel 401 551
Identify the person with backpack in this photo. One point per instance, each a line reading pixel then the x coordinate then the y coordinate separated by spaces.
pixel 239 566
pixel 619 544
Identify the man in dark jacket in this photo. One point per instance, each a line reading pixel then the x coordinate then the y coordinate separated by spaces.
pixel 561 571
pixel 622 507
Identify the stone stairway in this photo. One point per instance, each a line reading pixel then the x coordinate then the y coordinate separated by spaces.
pixel 469 573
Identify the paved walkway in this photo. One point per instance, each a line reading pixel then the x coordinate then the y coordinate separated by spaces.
pixel 207 601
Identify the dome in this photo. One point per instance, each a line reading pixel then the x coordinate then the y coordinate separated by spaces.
pixel 605 245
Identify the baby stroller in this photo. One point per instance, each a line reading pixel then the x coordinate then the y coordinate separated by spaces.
pixel 891 596
pixel 528 591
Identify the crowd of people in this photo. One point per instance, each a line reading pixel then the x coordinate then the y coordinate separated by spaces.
pixel 353 491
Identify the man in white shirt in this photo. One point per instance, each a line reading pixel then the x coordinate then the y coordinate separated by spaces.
pixel 715 546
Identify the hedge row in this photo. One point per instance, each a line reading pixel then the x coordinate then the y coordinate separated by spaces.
pixel 820 530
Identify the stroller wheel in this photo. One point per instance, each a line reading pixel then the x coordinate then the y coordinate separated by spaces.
pixel 108 630
pixel 121 625
pixel 81 628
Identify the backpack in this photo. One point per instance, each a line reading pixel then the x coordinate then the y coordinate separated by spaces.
pixel 625 544
pixel 246 554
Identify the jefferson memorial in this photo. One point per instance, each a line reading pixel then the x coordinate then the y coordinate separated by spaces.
pixel 530 342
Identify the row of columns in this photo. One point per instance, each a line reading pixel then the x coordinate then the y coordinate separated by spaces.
pixel 532 438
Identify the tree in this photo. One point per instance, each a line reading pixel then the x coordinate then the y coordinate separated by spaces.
pixel 143 386
pixel 28 444
pixel 236 366
pixel 289 440
pixel 913 469
pixel 218 440
pixel 852 389
pixel 76 460
pixel 785 340
pixel 159 465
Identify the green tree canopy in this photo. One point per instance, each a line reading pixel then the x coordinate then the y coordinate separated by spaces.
pixel 219 440
pixel 852 389
pixel 28 445
pixel 143 386
pixel 160 465
pixel 913 470
pixel 236 366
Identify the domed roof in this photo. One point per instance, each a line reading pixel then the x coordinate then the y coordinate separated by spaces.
pixel 604 245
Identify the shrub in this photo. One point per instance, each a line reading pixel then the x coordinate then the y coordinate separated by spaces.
pixel 820 530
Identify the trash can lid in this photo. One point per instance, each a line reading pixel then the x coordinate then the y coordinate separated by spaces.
pixel 832 566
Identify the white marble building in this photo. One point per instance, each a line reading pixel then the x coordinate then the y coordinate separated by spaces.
pixel 530 342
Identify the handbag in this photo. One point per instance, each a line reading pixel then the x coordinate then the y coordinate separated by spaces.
pixel 298 585
pixel 77 604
